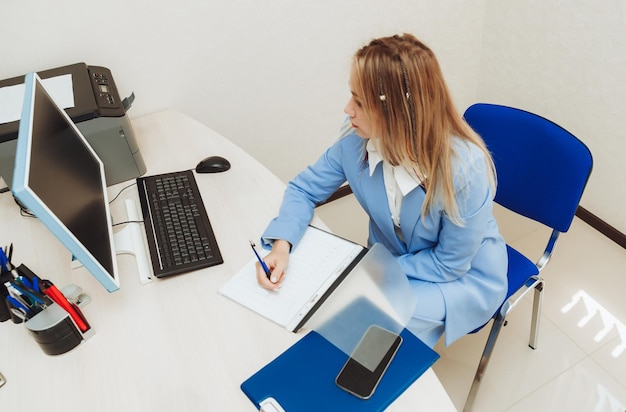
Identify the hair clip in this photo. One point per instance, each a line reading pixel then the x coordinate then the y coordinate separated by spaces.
pixel 381 93
pixel 407 86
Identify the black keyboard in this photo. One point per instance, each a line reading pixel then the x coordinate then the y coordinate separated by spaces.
pixel 179 232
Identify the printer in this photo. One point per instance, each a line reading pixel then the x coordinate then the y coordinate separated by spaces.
pixel 99 114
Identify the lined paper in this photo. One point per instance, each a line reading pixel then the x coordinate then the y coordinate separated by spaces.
pixel 314 264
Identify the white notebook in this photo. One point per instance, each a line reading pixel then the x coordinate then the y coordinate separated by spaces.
pixel 316 267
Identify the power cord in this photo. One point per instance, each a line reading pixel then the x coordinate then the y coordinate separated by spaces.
pixel 27 213
pixel 120 192
pixel 24 211
pixel 115 198
pixel 127 222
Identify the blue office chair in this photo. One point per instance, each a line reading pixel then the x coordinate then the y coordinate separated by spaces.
pixel 542 171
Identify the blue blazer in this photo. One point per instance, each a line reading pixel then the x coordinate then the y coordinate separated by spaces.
pixel 468 263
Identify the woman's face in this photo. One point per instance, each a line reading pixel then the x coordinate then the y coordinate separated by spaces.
pixel 354 109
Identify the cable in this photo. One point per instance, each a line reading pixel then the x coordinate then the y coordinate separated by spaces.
pixel 27 213
pixel 23 209
pixel 120 192
pixel 127 222
pixel 115 198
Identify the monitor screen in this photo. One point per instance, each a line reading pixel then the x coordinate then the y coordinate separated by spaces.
pixel 60 178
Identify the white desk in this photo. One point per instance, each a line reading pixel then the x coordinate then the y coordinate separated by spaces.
pixel 173 344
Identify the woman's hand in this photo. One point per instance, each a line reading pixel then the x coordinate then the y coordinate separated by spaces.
pixel 276 261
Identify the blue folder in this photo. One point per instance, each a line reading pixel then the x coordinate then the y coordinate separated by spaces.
pixel 303 377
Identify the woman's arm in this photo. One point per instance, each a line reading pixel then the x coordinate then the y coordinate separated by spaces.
pixel 311 186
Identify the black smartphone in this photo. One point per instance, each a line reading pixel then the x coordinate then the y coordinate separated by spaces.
pixel 368 362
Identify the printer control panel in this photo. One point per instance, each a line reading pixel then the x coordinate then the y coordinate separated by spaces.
pixel 104 89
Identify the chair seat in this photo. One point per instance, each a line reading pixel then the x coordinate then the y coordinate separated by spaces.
pixel 520 269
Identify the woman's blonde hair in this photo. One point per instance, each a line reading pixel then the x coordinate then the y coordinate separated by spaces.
pixel 412 114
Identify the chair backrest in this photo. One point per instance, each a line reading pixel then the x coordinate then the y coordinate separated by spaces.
pixel 542 168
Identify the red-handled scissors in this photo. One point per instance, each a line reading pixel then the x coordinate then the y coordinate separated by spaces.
pixel 59 298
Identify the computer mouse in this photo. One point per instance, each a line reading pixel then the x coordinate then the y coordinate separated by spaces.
pixel 213 164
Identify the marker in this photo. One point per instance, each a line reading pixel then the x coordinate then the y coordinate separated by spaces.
pixel 263 265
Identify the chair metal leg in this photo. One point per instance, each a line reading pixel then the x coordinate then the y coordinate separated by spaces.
pixel 498 323
pixel 534 326
pixel 534 283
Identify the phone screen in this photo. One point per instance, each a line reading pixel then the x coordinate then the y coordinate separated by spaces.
pixel 369 361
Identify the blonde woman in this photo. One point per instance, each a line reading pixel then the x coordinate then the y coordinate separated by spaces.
pixel 425 179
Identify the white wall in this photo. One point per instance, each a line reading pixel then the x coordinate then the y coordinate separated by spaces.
pixel 269 74
pixel 566 60
pixel 272 74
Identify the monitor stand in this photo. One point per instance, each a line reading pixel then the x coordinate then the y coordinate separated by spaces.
pixel 130 241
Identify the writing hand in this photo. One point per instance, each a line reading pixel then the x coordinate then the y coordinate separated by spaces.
pixel 276 261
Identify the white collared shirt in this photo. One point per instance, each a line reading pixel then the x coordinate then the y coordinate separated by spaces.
pixel 398 181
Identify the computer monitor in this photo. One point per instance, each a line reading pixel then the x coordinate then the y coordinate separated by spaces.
pixel 60 179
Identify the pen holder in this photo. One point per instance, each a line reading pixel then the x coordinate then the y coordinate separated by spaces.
pixel 5 313
pixel 53 328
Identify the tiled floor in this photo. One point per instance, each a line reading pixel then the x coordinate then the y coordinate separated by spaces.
pixel 580 361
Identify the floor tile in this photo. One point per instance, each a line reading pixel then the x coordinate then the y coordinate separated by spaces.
pixel 346 218
pixel 612 358
pixel 515 370
pixel 513 226
pixel 584 387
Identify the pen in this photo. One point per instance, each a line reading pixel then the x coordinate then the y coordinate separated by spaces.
pixel 3 262
pixel 24 291
pixel 15 303
pixel 263 265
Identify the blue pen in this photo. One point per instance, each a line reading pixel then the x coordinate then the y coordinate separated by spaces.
pixel 3 261
pixel 36 284
pixel 18 305
pixel 26 292
pixel 32 285
pixel 263 265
